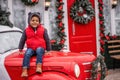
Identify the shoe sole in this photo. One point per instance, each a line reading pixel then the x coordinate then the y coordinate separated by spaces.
pixel 38 72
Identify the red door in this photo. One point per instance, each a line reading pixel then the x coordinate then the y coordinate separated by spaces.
pixel 82 37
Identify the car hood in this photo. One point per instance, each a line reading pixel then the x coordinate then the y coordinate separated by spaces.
pixel 60 56
pixel 15 59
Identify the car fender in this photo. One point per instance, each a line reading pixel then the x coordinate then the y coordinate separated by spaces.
pixel 51 75
pixel 4 74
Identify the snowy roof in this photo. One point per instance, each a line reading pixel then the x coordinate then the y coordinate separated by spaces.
pixel 7 28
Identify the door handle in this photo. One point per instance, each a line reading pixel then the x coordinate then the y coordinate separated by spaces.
pixel 73 28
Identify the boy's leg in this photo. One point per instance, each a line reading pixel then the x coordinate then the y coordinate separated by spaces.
pixel 39 51
pixel 26 62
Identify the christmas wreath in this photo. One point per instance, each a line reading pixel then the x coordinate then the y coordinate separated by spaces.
pixel 99 65
pixel 82 11
pixel 30 2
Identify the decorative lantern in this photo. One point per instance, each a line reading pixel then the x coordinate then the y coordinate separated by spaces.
pixel 47 4
pixel 114 3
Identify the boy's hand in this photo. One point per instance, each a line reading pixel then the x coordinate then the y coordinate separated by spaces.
pixel 47 53
pixel 21 52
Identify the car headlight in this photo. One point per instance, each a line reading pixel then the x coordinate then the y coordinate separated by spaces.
pixel 77 70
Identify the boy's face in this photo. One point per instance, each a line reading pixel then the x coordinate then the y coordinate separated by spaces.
pixel 34 22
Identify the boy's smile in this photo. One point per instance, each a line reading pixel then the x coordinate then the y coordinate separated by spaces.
pixel 34 22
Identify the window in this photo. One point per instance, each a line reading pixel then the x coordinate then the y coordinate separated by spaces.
pixel 115 19
pixel 9 41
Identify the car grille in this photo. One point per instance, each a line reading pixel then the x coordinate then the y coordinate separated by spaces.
pixel 88 70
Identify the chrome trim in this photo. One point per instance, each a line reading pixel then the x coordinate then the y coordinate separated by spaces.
pixel 86 52
pixel 88 78
pixel 88 71
pixel 87 63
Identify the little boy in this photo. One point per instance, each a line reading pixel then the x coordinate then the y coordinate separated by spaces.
pixel 37 40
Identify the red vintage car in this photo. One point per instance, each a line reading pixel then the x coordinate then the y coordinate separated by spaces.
pixel 57 65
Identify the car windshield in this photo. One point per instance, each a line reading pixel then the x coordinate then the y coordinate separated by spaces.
pixel 9 41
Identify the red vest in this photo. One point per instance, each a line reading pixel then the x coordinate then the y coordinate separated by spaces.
pixel 35 39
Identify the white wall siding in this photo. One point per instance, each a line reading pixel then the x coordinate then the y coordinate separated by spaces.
pixel 97 27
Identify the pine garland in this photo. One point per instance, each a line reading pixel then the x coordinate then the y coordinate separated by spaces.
pixel 30 2
pixel 4 18
pixel 99 60
pixel 59 44
pixel 102 26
